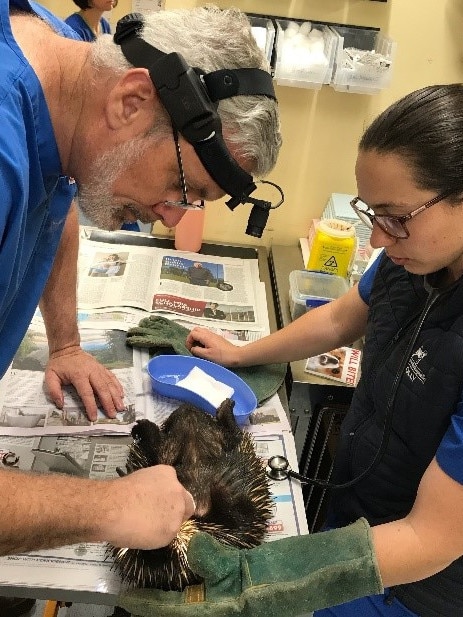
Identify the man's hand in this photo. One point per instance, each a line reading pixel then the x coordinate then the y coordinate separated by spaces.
pixel 148 508
pixel 68 363
pixel 144 509
pixel 90 378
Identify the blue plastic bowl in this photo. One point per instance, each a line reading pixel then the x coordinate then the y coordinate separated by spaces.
pixel 165 371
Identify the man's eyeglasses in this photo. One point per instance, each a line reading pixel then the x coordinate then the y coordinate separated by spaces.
pixel 185 204
pixel 394 226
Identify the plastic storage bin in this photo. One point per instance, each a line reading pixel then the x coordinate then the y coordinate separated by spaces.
pixel 264 33
pixel 364 60
pixel 308 289
pixel 304 53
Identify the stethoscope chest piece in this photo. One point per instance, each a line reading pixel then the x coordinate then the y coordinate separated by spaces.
pixel 278 468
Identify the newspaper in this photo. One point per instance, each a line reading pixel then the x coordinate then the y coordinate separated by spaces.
pixel 83 567
pixel 25 408
pixel 133 270
pixel 124 318
pixel 213 289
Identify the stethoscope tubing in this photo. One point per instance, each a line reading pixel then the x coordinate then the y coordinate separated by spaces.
pixel 279 468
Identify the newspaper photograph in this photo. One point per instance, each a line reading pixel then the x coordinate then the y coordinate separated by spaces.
pixel 235 331
pixel 110 319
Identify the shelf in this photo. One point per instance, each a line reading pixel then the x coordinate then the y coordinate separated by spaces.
pixel 309 54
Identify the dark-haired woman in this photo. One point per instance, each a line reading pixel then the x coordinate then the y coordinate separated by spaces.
pixel 89 21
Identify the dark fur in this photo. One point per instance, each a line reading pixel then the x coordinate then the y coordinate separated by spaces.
pixel 217 463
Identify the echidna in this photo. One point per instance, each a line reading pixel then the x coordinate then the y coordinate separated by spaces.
pixel 216 461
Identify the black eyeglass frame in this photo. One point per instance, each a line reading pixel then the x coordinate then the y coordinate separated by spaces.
pixel 184 204
pixel 369 218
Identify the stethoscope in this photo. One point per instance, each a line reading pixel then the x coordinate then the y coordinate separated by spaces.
pixel 278 467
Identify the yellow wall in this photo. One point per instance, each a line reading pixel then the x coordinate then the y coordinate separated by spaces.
pixel 321 128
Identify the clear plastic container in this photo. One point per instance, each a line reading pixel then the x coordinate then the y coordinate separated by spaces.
pixel 304 53
pixel 308 289
pixel 364 60
pixel 263 31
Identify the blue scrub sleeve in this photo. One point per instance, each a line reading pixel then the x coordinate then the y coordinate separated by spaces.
pixel 366 282
pixel 449 455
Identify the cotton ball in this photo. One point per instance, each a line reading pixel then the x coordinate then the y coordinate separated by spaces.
pixel 305 28
pixel 299 40
pixel 315 35
pixel 316 40
pixel 290 60
pixel 319 58
pixel 302 48
pixel 316 47
pixel 291 30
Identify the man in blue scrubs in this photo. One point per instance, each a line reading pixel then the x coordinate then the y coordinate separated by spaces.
pixel 63 116
pixel 66 115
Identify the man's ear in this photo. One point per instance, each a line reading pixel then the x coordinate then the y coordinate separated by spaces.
pixel 131 102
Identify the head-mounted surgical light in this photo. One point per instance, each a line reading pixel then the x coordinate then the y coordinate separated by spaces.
pixel 190 97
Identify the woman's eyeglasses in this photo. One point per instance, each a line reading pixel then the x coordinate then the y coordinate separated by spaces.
pixel 394 226
pixel 185 204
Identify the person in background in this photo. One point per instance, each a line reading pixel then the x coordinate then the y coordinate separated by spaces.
pixel 408 405
pixel 73 109
pixel 89 21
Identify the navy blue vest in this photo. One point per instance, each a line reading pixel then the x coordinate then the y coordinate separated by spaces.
pixel 428 393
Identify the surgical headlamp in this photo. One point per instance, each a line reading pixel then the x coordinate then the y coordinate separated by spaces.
pixel 190 97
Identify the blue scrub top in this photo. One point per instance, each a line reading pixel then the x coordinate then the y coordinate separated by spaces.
pixel 78 23
pixel 35 196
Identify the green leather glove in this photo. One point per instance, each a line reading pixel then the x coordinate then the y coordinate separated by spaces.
pixel 160 335
pixel 285 577
pixel 164 336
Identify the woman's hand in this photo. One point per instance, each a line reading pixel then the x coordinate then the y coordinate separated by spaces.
pixel 210 346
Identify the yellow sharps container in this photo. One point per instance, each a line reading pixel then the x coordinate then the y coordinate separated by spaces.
pixel 333 247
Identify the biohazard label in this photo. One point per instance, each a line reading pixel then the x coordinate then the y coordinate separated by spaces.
pixel 330 257
pixel 331 262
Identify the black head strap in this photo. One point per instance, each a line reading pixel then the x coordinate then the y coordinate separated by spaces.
pixel 190 97
pixel 226 83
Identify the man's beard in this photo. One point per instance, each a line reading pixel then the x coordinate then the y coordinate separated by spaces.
pixel 95 197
